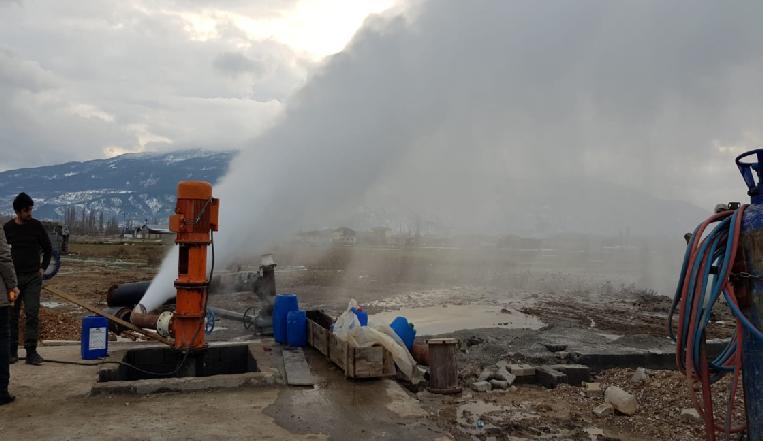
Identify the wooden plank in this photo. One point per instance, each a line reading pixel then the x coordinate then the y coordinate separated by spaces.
pixel 338 351
pixel 389 368
pixel 318 337
pixel 115 319
pixel 296 368
pixel 367 362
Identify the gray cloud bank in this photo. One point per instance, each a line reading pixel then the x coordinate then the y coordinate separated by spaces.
pixel 82 80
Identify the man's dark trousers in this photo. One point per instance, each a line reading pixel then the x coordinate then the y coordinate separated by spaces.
pixel 5 332
pixel 30 285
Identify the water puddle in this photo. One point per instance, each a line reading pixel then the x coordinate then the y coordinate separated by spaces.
pixel 476 417
pixel 51 304
pixel 433 320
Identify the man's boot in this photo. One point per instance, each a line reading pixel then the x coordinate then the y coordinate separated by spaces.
pixel 32 357
pixel 13 358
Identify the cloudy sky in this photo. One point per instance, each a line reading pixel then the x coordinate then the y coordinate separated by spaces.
pixel 657 97
pixel 90 79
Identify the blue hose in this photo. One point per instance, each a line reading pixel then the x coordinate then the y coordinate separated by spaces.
pixel 55 263
pixel 715 250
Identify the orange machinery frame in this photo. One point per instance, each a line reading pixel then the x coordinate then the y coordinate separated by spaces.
pixel 195 218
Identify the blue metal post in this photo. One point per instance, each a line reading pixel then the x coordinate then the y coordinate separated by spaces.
pixel 752 247
pixel 752 354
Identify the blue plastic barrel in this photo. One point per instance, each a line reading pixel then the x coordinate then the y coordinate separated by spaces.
pixel 362 316
pixel 404 330
pixel 95 337
pixel 296 329
pixel 284 303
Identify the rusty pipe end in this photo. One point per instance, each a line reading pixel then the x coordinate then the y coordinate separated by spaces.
pixel 143 319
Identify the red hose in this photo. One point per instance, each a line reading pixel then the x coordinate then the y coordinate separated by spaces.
pixel 698 377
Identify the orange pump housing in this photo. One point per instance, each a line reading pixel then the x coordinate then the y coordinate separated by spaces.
pixel 195 218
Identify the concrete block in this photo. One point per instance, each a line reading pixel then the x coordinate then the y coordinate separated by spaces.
pixel 640 376
pixel 652 359
pixel 481 386
pixel 525 373
pixel 486 374
pixel 555 347
pixel 690 415
pixel 498 384
pixel 604 409
pixel 592 389
pixel 503 374
pixel 549 377
pixel 621 400
pixel 576 373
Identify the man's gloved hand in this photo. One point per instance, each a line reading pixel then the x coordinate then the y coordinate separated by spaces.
pixel 13 294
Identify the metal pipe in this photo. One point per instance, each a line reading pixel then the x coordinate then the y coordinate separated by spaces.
pixel 265 289
pixel 95 310
pixel 752 306
pixel 126 294
pixel 232 315
pixel 143 319
pixel 122 313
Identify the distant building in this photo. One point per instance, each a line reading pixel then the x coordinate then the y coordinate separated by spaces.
pixel 377 236
pixel 146 231
pixel 344 236
pixel 315 237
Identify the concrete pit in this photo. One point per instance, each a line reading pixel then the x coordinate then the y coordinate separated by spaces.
pixel 163 362
pixel 162 369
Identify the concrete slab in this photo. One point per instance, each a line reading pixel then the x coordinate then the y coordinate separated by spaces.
pixel 549 377
pixel 576 373
pixel 352 410
pixel 53 403
pixel 296 368
pixel 187 384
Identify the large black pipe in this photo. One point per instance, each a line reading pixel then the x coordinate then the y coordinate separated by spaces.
pixel 126 294
pixel 129 294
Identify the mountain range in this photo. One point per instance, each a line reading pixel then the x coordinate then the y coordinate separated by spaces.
pixel 141 187
pixel 134 186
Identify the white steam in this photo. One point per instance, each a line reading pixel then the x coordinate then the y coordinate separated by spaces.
pixel 488 116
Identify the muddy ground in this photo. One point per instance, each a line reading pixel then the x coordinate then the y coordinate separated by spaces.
pixel 87 272
pixel 585 303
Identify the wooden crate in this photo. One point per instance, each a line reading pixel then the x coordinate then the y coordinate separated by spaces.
pixel 318 337
pixel 318 331
pixel 371 362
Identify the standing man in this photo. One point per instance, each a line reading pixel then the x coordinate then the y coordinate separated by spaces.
pixel 28 240
pixel 8 284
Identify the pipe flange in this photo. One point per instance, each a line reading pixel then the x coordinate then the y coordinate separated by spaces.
pixel 164 324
